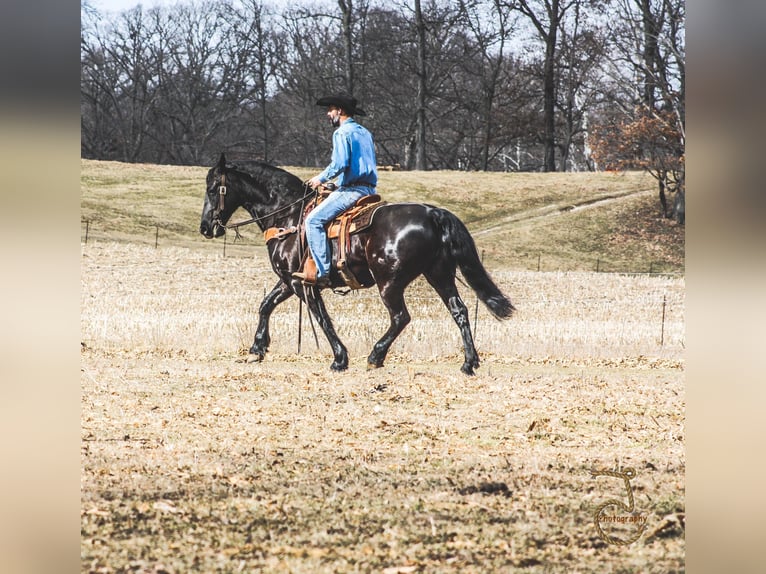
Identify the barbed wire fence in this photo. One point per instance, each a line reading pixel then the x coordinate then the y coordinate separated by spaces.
pixel 534 262
pixel 242 248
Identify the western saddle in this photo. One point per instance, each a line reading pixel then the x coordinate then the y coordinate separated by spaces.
pixel 355 219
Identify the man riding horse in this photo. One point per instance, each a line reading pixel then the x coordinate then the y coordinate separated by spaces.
pixel 402 242
pixel 353 162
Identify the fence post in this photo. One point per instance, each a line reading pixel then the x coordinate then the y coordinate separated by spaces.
pixel 538 262
pixel 157 236
pixel 662 332
pixel 87 229
pixel 598 265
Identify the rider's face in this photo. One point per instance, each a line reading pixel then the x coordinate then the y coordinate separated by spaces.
pixel 334 114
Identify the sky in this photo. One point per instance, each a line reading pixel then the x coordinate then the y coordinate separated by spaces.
pixel 120 5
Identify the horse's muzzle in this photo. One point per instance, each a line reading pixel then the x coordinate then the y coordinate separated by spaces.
pixel 211 231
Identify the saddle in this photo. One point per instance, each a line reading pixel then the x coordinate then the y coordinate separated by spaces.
pixel 355 219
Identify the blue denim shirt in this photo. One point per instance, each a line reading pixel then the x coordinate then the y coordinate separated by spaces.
pixel 353 159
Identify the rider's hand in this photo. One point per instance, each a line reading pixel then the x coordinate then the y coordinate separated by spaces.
pixel 314 182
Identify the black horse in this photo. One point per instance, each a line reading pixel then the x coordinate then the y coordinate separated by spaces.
pixel 404 241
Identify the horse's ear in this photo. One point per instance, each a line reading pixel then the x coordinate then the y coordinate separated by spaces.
pixel 222 162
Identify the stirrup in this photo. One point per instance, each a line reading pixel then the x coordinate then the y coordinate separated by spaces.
pixel 320 282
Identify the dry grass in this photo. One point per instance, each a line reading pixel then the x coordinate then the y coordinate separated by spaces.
pixel 518 219
pixel 194 461
pixel 172 299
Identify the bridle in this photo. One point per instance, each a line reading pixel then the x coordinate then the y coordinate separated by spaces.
pixel 235 226
pixel 221 202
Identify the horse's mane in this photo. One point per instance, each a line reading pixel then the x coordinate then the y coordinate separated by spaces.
pixel 270 177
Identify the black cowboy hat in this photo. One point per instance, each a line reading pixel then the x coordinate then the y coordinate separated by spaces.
pixel 343 101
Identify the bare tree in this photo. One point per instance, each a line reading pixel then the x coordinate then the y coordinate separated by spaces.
pixel 119 82
pixel 257 45
pixel 99 132
pixel 648 71
pixel 547 17
pixel 434 35
pixel 420 132
pixel 445 82
pixel 308 69
pixel 581 51
pixel 490 26
pixel 389 83
pixel 347 24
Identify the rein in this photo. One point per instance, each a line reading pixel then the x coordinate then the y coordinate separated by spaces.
pixel 236 226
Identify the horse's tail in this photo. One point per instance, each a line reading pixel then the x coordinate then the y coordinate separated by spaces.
pixel 460 245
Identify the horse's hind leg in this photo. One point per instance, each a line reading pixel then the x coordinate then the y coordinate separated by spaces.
pixel 445 287
pixel 262 339
pixel 393 298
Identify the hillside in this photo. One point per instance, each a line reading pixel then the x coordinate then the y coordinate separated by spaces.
pixel 561 221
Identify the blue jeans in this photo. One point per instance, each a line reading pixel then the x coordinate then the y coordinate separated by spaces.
pixel 334 204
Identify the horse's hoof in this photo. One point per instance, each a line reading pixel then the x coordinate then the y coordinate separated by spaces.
pixel 337 367
pixel 254 358
pixel 371 366
pixel 467 369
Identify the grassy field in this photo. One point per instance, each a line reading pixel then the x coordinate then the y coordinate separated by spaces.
pixel 195 461
pixel 520 221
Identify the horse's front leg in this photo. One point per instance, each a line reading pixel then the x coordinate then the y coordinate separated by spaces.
pixel 262 339
pixel 318 309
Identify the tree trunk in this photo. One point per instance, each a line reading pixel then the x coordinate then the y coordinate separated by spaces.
pixel 420 134
pixel 547 27
pixel 487 135
pixel 663 199
pixel 346 9
pixel 549 90
pixel 649 53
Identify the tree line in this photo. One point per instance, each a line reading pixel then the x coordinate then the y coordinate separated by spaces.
pixel 514 85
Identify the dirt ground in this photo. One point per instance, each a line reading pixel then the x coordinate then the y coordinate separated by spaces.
pixel 196 461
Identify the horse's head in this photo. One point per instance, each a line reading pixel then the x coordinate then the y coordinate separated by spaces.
pixel 221 201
